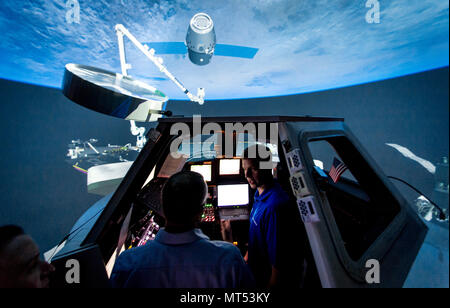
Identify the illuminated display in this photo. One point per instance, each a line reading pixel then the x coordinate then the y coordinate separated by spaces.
pixel 204 170
pixel 229 166
pixel 232 195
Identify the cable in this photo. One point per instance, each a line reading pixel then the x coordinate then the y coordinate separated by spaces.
pixel 441 212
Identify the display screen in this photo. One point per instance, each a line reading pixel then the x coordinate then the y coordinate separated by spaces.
pixel 229 166
pixel 204 170
pixel 232 195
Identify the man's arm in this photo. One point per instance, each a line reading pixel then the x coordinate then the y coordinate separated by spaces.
pixel 225 229
pixel 273 241
pixel 274 278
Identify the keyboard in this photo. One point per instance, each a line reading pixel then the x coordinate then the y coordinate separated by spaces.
pixel 234 214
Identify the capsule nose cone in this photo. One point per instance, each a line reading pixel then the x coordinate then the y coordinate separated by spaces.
pixel 201 23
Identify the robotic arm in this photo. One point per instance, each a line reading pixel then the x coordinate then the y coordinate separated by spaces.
pixel 139 132
pixel 158 61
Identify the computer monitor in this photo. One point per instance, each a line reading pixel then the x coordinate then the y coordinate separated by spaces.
pixel 232 195
pixel 229 166
pixel 204 170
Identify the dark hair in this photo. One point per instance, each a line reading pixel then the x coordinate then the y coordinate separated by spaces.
pixel 8 233
pixel 254 152
pixel 183 196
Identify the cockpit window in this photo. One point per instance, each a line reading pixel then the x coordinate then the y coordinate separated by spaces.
pixel 245 140
pixel 362 205
pixel 201 148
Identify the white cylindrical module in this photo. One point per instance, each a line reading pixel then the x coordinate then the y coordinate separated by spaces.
pixel 201 39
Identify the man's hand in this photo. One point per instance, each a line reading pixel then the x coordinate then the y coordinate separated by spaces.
pixel 225 229
pixel 274 279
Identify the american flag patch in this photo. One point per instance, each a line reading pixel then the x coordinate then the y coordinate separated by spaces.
pixel 337 169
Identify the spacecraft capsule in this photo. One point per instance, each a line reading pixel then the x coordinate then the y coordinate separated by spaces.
pixel 201 39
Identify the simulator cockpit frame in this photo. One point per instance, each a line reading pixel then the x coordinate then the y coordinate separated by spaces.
pixel 342 224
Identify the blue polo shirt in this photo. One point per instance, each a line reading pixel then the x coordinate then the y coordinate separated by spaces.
pixel 264 248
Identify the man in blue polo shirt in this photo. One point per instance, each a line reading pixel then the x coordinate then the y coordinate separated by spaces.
pixel 269 256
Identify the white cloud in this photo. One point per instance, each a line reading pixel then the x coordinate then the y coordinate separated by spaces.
pixel 408 154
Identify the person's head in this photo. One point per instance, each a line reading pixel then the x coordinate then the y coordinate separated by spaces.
pixel 183 197
pixel 20 265
pixel 257 162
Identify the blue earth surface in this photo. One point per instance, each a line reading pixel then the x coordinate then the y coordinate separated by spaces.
pixel 303 46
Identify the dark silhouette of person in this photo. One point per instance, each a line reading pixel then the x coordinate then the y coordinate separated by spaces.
pixel 181 256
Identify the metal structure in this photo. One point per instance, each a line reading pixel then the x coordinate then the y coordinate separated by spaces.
pixel 158 61
pixel 378 222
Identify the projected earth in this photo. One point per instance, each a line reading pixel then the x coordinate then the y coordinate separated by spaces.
pixel 303 46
